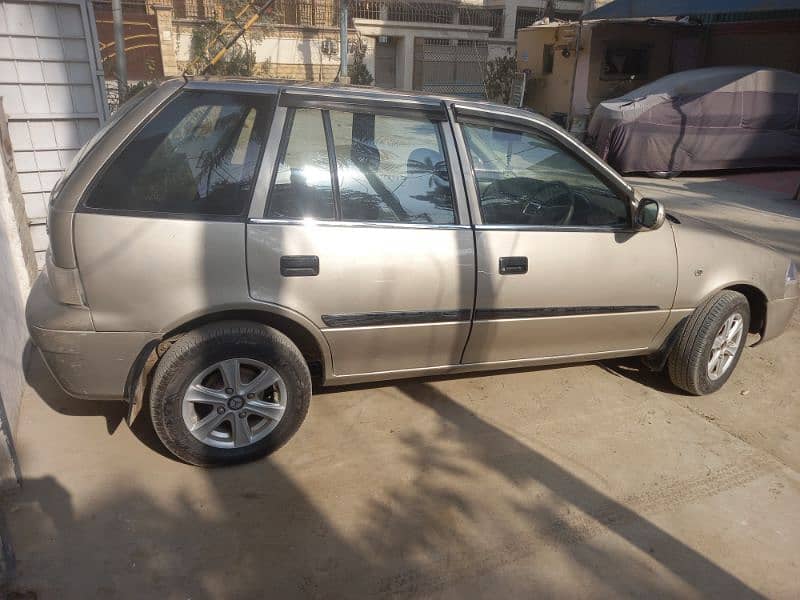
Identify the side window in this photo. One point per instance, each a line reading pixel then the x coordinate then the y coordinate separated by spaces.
pixel 525 179
pixel 303 187
pixel 198 156
pixel 391 169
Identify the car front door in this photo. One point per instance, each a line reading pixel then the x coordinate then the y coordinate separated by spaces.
pixel 363 231
pixel 561 271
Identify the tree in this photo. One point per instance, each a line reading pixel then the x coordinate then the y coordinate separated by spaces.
pixel 499 77
pixel 240 59
pixel 357 71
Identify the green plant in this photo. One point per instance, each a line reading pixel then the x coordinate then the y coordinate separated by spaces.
pixel 357 71
pixel 240 59
pixel 499 77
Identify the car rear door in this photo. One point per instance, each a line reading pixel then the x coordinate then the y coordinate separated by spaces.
pixel 362 228
pixel 561 273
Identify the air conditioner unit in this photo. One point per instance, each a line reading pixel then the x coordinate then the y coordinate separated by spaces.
pixel 329 46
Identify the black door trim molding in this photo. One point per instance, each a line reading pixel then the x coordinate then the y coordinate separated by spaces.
pixel 494 314
pixel 421 317
pixel 413 317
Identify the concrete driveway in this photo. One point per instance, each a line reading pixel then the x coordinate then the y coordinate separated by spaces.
pixel 597 480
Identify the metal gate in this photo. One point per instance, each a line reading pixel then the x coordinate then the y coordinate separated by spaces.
pixel 450 67
pixel 386 64
pixel 142 47
pixel 52 92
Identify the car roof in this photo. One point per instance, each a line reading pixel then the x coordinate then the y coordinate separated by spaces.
pixel 256 85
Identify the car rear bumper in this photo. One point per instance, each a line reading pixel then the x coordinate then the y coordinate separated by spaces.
pixel 86 363
pixel 779 314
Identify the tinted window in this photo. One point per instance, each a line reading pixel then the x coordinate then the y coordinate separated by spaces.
pixel 303 187
pixel 525 179
pixel 198 156
pixel 391 169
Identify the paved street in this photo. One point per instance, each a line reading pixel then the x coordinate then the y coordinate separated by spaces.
pixel 596 480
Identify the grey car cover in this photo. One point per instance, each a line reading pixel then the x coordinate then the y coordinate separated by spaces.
pixel 703 119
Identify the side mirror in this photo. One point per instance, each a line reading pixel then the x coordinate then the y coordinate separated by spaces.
pixel 649 214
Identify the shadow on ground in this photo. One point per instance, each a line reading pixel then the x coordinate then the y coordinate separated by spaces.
pixel 254 531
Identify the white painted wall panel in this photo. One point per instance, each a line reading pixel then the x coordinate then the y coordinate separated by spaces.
pixel 278 50
pixel 51 86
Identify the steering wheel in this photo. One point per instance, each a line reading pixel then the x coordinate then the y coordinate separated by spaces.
pixel 547 199
pixel 550 203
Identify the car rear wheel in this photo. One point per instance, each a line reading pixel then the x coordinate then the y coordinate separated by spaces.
pixel 711 343
pixel 229 392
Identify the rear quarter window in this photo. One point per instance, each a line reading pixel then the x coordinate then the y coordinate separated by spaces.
pixel 198 157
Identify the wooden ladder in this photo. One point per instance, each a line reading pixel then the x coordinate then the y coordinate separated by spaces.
pixel 249 14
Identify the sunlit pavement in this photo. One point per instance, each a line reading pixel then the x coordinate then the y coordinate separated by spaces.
pixel 596 480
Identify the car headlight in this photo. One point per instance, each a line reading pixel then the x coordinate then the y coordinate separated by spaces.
pixel 791 273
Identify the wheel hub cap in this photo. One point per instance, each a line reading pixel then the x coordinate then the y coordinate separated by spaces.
pixel 725 346
pixel 234 403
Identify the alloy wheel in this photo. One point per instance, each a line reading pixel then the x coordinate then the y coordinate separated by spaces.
pixel 234 403
pixel 726 345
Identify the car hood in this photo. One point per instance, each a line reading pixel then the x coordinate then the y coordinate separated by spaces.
pixel 700 225
pixel 711 257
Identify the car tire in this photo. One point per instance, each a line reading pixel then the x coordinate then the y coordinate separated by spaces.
pixel 196 419
pixel 691 364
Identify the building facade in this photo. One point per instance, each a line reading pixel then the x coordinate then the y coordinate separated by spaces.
pixel 431 46
pixel 617 56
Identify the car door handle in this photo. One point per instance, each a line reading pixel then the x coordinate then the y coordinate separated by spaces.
pixel 513 265
pixel 299 266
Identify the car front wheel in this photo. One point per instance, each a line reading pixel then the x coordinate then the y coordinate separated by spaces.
pixel 710 344
pixel 229 392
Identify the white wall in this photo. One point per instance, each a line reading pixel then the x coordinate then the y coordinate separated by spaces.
pixel 496 50
pixel 282 50
pixel 15 274
pixel 50 83
pixel 277 49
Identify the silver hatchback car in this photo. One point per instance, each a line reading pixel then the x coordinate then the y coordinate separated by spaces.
pixel 223 243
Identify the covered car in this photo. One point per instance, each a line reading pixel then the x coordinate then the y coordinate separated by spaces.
pixel 701 120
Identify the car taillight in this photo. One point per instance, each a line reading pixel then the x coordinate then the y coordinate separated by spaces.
pixel 65 283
